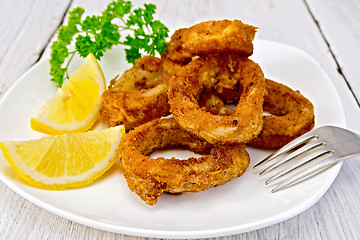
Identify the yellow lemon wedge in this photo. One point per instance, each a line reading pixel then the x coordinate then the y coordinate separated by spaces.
pixel 76 105
pixel 65 161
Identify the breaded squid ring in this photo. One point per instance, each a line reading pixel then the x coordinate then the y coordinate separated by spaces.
pixel 292 114
pixel 223 36
pixel 214 104
pixel 149 177
pixel 137 96
pixel 219 73
pixel 171 66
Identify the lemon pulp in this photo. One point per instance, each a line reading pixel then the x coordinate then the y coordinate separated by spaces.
pixel 76 105
pixel 65 161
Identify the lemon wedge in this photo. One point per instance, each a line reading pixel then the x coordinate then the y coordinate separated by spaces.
pixel 65 161
pixel 76 105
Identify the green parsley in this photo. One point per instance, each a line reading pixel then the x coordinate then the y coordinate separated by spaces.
pixel 96 34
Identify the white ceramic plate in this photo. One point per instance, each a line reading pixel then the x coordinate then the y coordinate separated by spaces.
pixel 241 205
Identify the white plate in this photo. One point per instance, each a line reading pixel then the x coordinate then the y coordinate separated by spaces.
pixel 241 205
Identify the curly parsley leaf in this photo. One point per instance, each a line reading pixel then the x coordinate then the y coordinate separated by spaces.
pixel 149 34
pixel 97 34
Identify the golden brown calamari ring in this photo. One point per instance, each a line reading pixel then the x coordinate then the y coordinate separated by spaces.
pixel 222 36
pixel 214 104
pixel 137 96
pixel 220 73
pixel 150 177
pixel 291 114
pixel 171 66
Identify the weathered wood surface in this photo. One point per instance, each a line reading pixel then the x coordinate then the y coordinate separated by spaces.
pixel 328 30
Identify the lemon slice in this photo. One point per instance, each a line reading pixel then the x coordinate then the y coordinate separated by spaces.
pixel 76 105
pixel 65 161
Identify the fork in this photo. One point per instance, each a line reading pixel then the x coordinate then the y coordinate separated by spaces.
pixel 308 155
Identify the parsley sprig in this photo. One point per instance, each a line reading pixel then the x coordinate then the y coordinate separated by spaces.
pixel 96 34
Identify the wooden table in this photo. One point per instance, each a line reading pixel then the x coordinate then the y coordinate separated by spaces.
pixel 328 30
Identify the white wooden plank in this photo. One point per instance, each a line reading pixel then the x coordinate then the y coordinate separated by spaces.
pixel 339 22
pixel 26 27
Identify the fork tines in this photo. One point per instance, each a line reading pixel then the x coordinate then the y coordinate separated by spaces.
pixel 296 161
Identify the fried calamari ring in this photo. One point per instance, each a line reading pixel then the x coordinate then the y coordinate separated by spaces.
pixel 214 104
pixel 171 66
pixel 137 96
pixel 292 116
pixel 149 177
pixel 222 36
pixel 219 73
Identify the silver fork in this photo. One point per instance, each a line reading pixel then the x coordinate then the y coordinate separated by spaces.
pixel 308 155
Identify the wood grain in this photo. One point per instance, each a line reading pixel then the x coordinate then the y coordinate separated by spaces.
pixel 338 21
pixel 26 28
